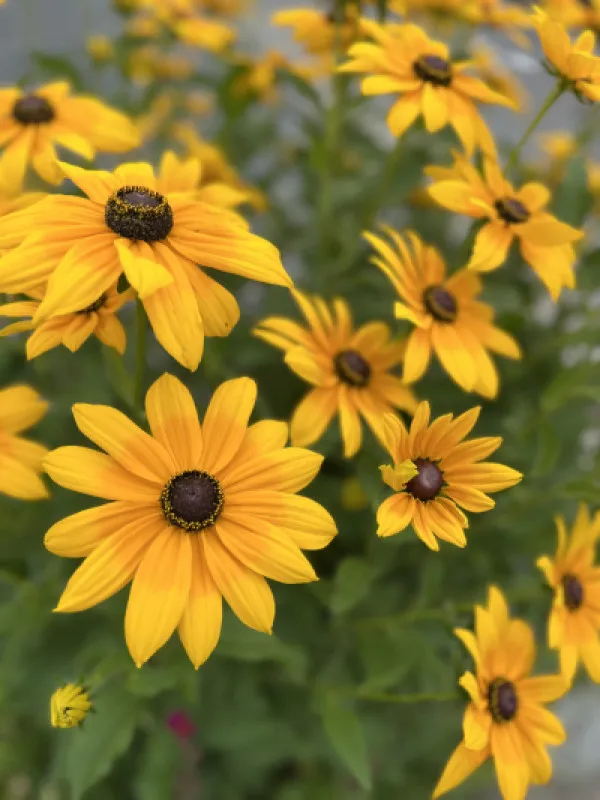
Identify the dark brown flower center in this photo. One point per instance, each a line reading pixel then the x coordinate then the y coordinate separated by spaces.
pixel 440 303
pixel 95 306
pixel 351 368
pixel 192 500
pixel 427 484
pixel 33 110
pixel 573 592
pixel 511 210
pixel 138 213
pixel 433 69
pixel 503 700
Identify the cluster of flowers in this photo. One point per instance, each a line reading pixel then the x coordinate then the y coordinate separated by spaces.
pixel 201 511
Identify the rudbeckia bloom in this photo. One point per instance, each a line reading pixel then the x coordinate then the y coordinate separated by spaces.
pixel 181 17
pixel 573 62
pixel 509 214
pixel 33 122
pixel 71 330
pixel 506 718
pixel 197 513
pixel 448 319
pixel 125 224
pixel 451 474
pixel 21 460
pixel 69 706
pixel 349 370
pixel 404 59
pixel 575 578
pixel 318 31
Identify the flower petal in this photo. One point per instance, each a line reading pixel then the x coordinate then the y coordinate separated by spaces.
pixel 200 625
pixel 78 535
pixel 226 422
pixel 173 420
pixel 462 763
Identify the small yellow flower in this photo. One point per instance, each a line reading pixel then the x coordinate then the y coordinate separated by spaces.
pixel 34 122
pixel 349 370
pixel 100 48
pixel 259 76
pixel 450 474
pixel 20 459
pixel 572 62
pixel 69 706
pixel 181 17
pixel 448 318
pixel 403 59
pixel 317 31
pixel 509 214
pixel 196 513
pixel 70 330
pixel 559 145
pixel 575 616
pixel 506 719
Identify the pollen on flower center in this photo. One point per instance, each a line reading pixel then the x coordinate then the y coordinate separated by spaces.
pixel 573 592
pixel 427 484
pixel 502 699
pixel 192 500
pixel 95 306
pixel 440 303
pixel 511 210
pixel 138 213
pixel 351 368
pixel 33 110
pixel 433 69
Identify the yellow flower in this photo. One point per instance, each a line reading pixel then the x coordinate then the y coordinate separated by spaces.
pixel 498 77
pixel 559 145
pixel 348 369
pixel 506 718
pixel 133 223
pixel 21 460
pixel 404 59
pixel 182 18
pixel 71 330
pixel 448 318
pixel 198 512
pixel 259 75
pixel 450 474
pixel 317 31
pixel 575 617
pixel 509 214
pixel 69 706
pixel 34 122
pixel 217 170
pixel 100 48
pixel 572 62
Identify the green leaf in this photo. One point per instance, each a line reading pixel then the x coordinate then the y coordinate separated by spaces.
pixel 581 381
pixel 58 67
pixel 352 582
pixel 548 447
pixel 344 730
pixel 91 751
pixel 159 765
pixel 120 380
pixel 573 199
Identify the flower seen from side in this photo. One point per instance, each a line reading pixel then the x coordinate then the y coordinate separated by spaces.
pixel 506 719
pixel 125 224
pixel 35 122
pixel 574 63
pixel 69 706
pixel 403 60
pixel 574 576
pixel 508 215
pixel 71 330
pixel 349 370
pixel 448 320
pixel 21 459
pixel 196 513
pixel 451 475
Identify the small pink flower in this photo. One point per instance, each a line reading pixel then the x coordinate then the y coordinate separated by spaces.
pixel 181 725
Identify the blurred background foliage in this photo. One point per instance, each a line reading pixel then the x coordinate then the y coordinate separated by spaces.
pixel 317 711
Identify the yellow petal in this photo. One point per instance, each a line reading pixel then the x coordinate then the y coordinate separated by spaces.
pixel 226 421
pixel 462 763
pixel 173 420
pixel 200 625
pixel 394 514
pixel 141 270
pixel 78 535
pixel 20 408
pixel 312 416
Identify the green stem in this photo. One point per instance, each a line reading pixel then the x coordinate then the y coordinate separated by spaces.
pixel 140 355
pixel 384 183
pixel 513 158
pixel 405 698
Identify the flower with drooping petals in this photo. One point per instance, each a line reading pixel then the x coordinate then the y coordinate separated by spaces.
pixel 20 459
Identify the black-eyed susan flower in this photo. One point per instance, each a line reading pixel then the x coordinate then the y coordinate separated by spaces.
pixel 193 175
pixel 318 30
pixel 125 224
pixel 183 19
pixel 100 49
pixel 451 475
pixel 575 578
pixel 510 214
pixel 574 63
pixel 350 370
pixel 506 719
pixel 70 330
pixel 20 459
pixel 403 59
pixel 449 321
pixel 34 122
pixel 69 706
pixel 197 513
